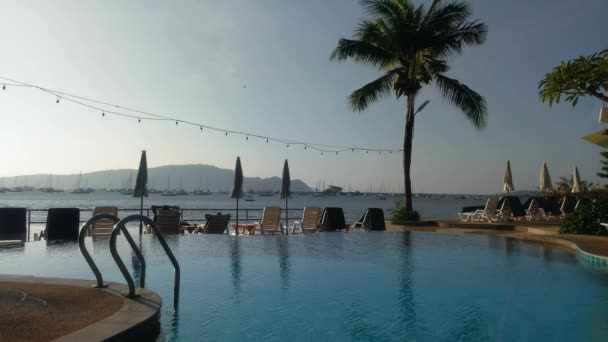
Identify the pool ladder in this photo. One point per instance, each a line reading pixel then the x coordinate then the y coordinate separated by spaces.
pixel 120 226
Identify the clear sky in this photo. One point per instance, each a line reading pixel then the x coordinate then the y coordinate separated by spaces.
pixel 190 59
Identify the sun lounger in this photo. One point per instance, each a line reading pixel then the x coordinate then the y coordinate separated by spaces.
pixel 271 221
pixel 467 214
pixel 13 224
pixel 62 224
pixel 216 224
pixel 168 221
pixel 310 221
pixel 550 209
pixel 373 219
pixel 532 208
pixel 332 219
pixel 103 228
pixel 510 209
pixel 568 203
pixel 489 212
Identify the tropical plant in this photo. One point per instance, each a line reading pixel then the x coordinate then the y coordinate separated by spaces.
pixel 604 170
pixel 587 219
pixel 564 185
pixel 583 76
pixel 400 213
pixel 411 46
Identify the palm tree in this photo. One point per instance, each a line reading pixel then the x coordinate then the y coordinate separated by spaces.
pixel 411 46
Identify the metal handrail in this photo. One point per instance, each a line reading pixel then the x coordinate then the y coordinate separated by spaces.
pixel 83 233
pixel 146 220
pixel 123 269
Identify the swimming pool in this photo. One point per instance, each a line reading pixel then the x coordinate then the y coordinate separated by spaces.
pixel 353 286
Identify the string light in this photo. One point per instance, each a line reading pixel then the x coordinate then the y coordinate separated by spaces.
pixel 140 115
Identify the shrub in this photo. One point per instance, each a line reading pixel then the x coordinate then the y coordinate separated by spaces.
pixel 399 213
pixel 587 219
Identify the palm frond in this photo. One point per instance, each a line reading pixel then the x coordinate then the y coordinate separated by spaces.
pixel 470 102
pixel 362 52
pixel 373 91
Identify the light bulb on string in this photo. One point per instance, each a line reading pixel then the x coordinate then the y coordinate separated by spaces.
pixel 138 120
pixel 287 145
pixel 57 99
pixel 353 150
pixel 103 114
pixel 304 146
pixel 176 122
pixel 247 138
pixel 201 128
pixel 367 152
pixel 336 152
pixel 226 133
pixel 266 140
pixel 4 87
pixel 321 153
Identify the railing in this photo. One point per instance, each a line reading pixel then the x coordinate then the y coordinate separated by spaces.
pixel 251 214
pixel 121 226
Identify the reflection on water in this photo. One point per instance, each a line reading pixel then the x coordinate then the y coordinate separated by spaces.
pixel 406 287
pixel 235 266
pixel 283 254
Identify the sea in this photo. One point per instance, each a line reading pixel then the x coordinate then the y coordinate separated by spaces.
pixel 354 206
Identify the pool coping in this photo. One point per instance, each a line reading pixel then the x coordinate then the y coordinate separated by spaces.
pixel 137 318
pixel 539 233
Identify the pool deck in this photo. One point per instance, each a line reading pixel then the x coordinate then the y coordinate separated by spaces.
pixel 43 309
pixel 547 233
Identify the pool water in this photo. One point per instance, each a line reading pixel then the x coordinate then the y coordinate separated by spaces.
pixel 372 286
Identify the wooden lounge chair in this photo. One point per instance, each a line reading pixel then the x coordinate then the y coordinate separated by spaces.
pixel 216 224
pixel 373 219
pixel 271 221
pixel 168 221
pixel 13 224
pixel 103 228
pixel 489 212
pixel 310 221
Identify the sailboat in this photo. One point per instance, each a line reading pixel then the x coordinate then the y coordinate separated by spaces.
pixel 181 191
pixel 128 189
pixel 168 191
pixel 200 192
pixel 50 188
pixel 80 190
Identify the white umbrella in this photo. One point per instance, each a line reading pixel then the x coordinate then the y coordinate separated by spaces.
pixel 285 192
pixel 141 182
pixel 576 181
pixel 237 189
pixel 508 178
pixel 545 179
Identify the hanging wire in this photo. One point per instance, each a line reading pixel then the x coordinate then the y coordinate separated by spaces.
pixel 140 115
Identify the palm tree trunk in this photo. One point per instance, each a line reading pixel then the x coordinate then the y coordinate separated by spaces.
pixel 407 151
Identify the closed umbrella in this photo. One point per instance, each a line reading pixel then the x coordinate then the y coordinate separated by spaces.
pixel 285 193
pixel 508 178
pixel 141 189
pixel 576 181
pixel 545 179
pixel 237 189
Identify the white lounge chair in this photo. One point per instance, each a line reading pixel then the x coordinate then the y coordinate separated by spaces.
pixel 489 212
pixel 271 221
pixel 504 213
pixel 533 211
pixel 310 221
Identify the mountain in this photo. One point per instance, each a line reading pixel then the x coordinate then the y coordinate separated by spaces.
pixel 191 176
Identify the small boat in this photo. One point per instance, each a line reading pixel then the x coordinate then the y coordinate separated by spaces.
pixel 168 193
pixel 381 197
pixel 266 193
pixel 249 198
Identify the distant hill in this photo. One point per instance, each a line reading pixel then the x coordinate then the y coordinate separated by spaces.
pixel 191 176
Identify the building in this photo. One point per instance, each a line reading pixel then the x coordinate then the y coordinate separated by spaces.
pixel 332 190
